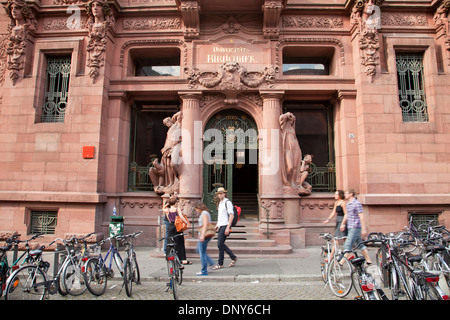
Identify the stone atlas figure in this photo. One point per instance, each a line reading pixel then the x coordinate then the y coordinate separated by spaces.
pixel 165 174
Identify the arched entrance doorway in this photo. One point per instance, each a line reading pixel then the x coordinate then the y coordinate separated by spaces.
pixel 230 152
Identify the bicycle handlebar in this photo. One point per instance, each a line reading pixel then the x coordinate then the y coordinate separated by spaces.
pixel 172 237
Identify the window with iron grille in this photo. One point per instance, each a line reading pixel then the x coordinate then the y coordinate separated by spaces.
pixel 43 222
pixel 423 218
pixel 56 89
pixel 411 88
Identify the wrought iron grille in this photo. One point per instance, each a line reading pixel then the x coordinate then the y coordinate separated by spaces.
pixel 56 89
pixel 411 89
pixel 43 222
pixel 322 179
pixel 419 218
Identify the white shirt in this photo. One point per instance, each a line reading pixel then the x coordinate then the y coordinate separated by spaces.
pixel 225 208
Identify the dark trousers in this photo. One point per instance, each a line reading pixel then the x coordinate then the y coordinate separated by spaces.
pixel 223 247
pixel 179 242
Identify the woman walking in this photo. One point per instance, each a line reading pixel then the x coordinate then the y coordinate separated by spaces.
pixel 339 211
pixel 203 221
pixel 171 211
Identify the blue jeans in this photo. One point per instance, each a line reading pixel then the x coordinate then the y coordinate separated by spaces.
pixel 204 258
pixel 223 247
pixel 353 238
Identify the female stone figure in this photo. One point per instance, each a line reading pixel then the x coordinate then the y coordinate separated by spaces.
pixel 294 170
pixel 290 169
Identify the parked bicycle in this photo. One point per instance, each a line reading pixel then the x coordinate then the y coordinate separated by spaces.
pixel 73 275
pixel 174 266
pixel 131 271
pixel 30 282
pixel 97 271
pixel 400 275
pixel 336 269
pixel 364 283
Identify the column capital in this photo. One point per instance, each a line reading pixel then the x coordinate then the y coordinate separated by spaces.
pixel 272 94
pixel 190 95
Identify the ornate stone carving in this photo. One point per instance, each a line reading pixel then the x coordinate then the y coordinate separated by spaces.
pixel 299 22
pixel 441 21
pixel 59 24
pixel 4 41
pixel 22 23
pixel 190 11
pixel 100 20
pixel 272 12
pixel 403 20
pixel 152 24
pixel 141 204
pixel 231 76
pixel 273 210
pixel 231 26
pixel 366 15
pixel 313 204
pixel 165 174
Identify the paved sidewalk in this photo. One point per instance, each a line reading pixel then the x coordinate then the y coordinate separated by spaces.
pixel 302 264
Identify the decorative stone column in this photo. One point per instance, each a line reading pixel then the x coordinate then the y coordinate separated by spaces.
pixel 270 159
pixel 191 151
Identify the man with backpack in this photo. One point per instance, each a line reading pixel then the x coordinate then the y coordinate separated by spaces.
pixel 224 222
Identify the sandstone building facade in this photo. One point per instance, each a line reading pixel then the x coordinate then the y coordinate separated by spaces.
pixel 86 87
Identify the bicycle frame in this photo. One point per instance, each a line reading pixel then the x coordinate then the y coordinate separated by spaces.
pixel 112 250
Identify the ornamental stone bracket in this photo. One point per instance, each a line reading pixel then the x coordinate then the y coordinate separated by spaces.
pixel 231 77
pixel 441 22
pixel 366 17
pixel 190 11
pixel 272 13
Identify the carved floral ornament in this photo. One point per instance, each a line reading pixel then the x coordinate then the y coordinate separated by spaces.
pixel 231 76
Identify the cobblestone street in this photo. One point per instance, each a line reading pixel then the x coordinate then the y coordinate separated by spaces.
pixel 199 290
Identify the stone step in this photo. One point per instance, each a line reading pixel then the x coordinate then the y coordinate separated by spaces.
pixel 239 251
pixel 232 243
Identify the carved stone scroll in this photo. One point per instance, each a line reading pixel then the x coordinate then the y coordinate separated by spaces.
pixel 231 76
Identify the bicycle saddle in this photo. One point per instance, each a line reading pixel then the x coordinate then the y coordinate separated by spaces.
pixel 358 261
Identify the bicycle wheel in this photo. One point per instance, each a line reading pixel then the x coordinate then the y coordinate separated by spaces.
pixel 171 270
pixel 26 283
pixel 356 284
pixel 95 276
pixel 430 292
pixel 179 272
pixel 128 277
pixel 324 264
pixel 339 277
pixel 119 262
pixel 137 272
pixel 73 278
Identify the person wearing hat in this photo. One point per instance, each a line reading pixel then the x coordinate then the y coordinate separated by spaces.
pixel 224 220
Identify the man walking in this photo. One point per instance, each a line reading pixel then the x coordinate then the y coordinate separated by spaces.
pixel 224 221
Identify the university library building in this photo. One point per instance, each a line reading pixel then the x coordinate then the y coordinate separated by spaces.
pixel 114 105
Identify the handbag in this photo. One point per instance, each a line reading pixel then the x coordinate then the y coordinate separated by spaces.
pixel 210 230
pixel 180 224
